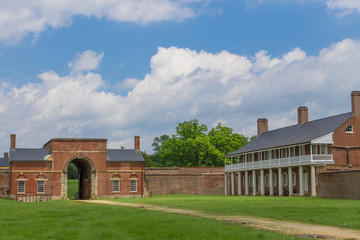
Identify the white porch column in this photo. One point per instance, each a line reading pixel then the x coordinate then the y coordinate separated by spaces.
pixel 246 183
pixel 291 188
pixel 313 184
pixel 280 182
pixel 232 184
pixel 226 184
pixel 271 182
pixel 239 183
pixel 262 185
pixel 254 182
pixel 301 180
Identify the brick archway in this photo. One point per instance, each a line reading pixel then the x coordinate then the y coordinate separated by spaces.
pixel 87 177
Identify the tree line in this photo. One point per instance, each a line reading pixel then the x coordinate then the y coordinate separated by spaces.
pixel 194 146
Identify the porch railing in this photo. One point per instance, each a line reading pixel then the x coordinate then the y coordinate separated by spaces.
pixel 281 162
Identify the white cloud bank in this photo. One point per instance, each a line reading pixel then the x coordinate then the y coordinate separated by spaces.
pixel 21 17
pixel 183 84
pixel 346 6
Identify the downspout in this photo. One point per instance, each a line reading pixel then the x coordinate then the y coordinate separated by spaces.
pixel 52 175
pixel 10 174
pixel 142 181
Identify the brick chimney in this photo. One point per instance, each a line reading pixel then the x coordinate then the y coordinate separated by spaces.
pixel 6 155
pixel 355 103
pixel 12 141
pixel 137 142
pixel 262 125
pixel 302 115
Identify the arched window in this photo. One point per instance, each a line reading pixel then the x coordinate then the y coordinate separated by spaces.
pixel 285 179
pixel 21 179
pixel 294 178
pixel 115 183
pixel 133 182
pixel 40 179
pixel 349 129
pixel 274 176
pixel 267 182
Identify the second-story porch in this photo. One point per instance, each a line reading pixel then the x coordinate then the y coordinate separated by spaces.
pixel 298 155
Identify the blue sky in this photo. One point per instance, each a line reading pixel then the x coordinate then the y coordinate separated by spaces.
pixel 119 68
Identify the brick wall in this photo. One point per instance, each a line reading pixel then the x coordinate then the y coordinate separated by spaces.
pixel 4 183
pixel 185 180
pixel 340 184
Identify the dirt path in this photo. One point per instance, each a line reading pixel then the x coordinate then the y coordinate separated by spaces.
pixel 292 228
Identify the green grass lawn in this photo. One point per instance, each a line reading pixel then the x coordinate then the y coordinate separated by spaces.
pixel 72 187
pixel 61 219
pixel 315 210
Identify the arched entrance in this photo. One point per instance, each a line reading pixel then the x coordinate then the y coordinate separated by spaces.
pixel 85 169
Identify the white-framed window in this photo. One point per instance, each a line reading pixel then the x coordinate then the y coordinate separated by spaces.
pixel 250 157
pixel 314 149
pixel 133 185
pixel 292 151
pixel 40 186
pixel 266 155
pixel 294 178
pixel 349 129
pixel 302 150
pixel 116 186
pixel 323 149
pixel 21 186
pixel 267 183
pixel 273 154
pixel 285 179
pixel 274 177
pixel 284 153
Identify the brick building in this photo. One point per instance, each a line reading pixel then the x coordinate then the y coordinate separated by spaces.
pixel 103 173
pixel 291 160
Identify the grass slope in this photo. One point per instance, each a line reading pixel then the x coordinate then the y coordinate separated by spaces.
pixel 331 212
pixel 60 219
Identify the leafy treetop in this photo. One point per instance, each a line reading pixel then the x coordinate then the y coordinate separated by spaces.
pixel 193 145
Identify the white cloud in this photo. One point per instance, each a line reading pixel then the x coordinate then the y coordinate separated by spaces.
pixel 127 84
pixel 85 61
pixel 21 17
pixel 346 6
pixel 183 84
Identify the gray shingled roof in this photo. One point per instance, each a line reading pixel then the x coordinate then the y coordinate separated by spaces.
pixel 38 154
pixel 295 134
pixel 124 155
pixel 28 154
pixel 4 162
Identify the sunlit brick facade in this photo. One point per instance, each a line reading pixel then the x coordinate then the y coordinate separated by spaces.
pixel 103 173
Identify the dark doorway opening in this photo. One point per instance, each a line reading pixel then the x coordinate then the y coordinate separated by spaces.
pixel 79 179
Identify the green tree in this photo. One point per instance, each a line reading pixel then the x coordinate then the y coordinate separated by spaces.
pixel 158 141
pixel 73 171
pixel 191 129
pixel 147 159
pixel 193 146
pixel 225 140
pixel 156 160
